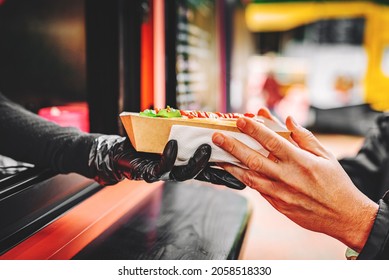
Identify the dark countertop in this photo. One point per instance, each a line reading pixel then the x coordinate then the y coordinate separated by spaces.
pixel 73 217
pixel 188 220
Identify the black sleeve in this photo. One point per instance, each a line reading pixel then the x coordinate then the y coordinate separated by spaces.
pixel 377 244
pixel 29 138
pixel 368 169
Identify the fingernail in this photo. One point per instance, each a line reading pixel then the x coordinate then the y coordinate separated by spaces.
pixel 294 122
pixel 241 123
pixel 218 139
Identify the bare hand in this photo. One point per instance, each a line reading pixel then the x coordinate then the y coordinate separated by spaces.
pixel 303 181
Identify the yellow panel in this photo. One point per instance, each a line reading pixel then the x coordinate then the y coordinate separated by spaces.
pixel 376 40
pixel 278 17
pixel 284 16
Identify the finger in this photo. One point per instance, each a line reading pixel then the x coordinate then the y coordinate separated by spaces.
pixel 280 196
pixel 154 171
pixel 305 139
pixel 195 164
pixel 220 177
pixel 264 112
pixel 270 140
pixel 168 157
pixel 252 179
pixel 273 158
pixel 249 157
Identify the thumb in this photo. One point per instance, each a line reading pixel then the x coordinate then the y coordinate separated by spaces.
pixel 304 138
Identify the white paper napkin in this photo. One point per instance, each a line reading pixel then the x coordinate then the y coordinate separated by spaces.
pixel 189 138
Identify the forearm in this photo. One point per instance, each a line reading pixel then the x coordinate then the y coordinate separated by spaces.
pixel 27 137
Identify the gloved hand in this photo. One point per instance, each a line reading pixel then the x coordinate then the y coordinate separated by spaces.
pixel 113 158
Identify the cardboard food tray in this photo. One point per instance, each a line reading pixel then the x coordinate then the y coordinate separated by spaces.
pixel 150 135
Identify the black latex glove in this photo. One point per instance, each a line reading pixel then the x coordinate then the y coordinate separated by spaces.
pixel 113 158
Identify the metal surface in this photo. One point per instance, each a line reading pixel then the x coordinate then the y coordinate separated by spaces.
pixel 33 198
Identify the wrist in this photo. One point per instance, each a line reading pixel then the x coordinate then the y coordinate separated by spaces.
pixel 74 154
pixel 361 226
pixel 377 244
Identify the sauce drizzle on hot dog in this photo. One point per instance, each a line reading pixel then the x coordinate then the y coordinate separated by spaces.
pixel 169 112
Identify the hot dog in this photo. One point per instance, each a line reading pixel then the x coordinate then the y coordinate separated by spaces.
pixel 169 112
pixel 149 130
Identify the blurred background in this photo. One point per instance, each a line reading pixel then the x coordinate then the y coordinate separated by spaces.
pixel 83 62
pixel 325 62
